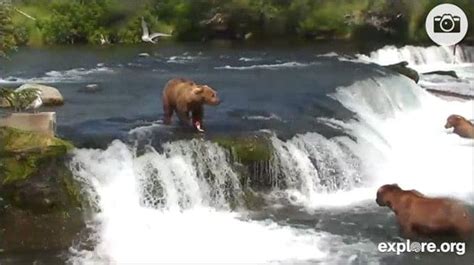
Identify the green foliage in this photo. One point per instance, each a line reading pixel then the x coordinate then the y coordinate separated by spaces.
pixel 20 100
pixel 7 94
pixel 118 21
pixel 7 37
pixel 75 22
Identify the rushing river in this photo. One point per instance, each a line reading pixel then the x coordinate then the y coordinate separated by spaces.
pixel 339 127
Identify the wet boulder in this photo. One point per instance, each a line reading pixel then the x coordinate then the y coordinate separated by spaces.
pixel 450 73
pixel 50 95
pixel 403 69
pixel 40 202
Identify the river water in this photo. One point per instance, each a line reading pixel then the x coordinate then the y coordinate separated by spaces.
pixel 339 125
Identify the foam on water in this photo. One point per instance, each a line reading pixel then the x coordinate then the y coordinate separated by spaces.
pixel 267 66
pixel 250 59
pixel 184 58
pixel 271 116
pixel 66 76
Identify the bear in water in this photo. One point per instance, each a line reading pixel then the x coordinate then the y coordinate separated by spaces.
pixel 422 216
pixel 185 96
pixel 462 127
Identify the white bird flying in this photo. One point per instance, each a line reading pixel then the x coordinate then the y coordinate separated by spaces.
pixel 146 37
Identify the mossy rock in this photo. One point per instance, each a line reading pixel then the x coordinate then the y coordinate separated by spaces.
pixel 33 172
pixel 21 231
pixel 40 201
pixel 14 140
pixel 253 155
pixel 247 150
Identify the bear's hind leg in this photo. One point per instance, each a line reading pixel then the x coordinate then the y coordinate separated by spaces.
pixel 184 118
pixel 168 112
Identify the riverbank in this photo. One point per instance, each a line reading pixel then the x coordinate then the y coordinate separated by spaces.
pixel 74 22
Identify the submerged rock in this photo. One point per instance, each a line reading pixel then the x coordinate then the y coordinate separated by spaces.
pixel 49 95
pixel 41 205
pixel 403 69
pixel 90 88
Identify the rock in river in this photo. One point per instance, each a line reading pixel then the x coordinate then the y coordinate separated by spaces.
pixel 403 69
pixel 50 95
pixel 40 202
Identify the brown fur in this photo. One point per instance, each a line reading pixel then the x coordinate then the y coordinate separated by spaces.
pixel 421 216
pixel 462 127
pixel 185 96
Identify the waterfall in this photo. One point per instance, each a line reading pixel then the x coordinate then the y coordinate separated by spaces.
pixel 173 206
pixel 421 55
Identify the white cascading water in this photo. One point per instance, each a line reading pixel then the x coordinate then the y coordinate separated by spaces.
pixel 400 139
pixel 437 55
pixel 174 206
pixel 429 59
pixel 312 166
pixel 190 222
pixel 409 140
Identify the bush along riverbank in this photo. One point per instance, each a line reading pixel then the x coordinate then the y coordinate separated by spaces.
pixel 40 203
pixel 119 21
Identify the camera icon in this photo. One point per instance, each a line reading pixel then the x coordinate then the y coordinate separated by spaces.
pixel 447 23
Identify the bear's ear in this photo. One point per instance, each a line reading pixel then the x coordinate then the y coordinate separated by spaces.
pixel 197 90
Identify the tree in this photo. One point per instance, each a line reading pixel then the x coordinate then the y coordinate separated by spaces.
pixel 7 39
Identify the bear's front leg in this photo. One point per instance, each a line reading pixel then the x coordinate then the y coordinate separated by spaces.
pixel 197 115
pixel 407 231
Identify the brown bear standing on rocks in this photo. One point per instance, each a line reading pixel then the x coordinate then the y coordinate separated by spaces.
pixel 462 127
pixel 421 216
pixel 185 96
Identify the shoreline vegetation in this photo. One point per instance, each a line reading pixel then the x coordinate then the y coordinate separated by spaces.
pixel 65 22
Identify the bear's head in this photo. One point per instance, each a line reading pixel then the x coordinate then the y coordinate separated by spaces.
pixel 205 95
pixel 454 120
pixel 385 194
